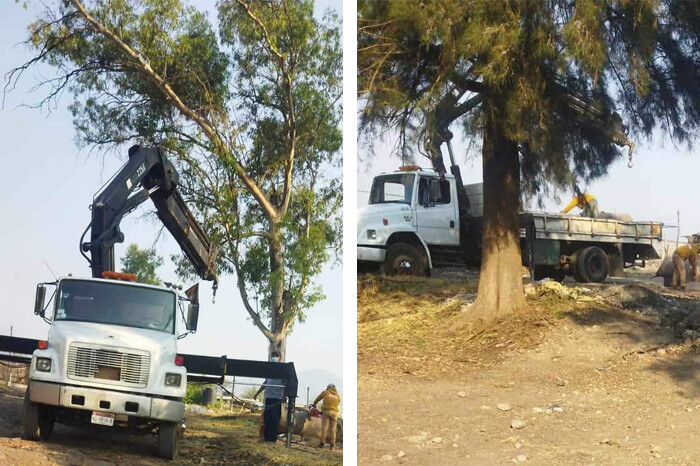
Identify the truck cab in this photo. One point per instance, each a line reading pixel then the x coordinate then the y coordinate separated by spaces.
pixel 410 212
pixel 110 360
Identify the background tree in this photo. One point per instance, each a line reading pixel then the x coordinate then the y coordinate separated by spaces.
pixel 511 73
pixel 250 116
pixel 249 393
pixel 143 263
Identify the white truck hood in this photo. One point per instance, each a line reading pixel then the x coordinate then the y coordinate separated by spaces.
pixel 371 216
pixel 68 332
pixel 399 217
pixel 161 346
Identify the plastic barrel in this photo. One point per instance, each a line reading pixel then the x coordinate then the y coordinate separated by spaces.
pixel 207 396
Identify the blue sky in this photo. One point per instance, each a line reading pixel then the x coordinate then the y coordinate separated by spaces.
pixel 46 187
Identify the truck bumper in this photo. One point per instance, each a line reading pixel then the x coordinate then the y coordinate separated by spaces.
pixel 368 254
pixel 89 399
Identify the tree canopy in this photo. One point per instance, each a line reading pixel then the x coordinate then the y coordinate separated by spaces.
pixel 555 81
pixel 248 107
pixel 143 263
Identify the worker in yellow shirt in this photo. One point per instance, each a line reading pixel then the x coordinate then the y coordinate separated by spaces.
pixel 586 202
pixel 687 252
pixel 329 420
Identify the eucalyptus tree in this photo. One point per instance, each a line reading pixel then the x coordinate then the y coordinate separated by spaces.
pixel 247 104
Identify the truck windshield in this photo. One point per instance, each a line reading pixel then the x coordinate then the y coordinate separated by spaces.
pixel 392 188
pixel 107 303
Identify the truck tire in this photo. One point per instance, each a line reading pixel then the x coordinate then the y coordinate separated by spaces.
pixel 592 265
pixel 404 259
pixel 30 419
pixel 573 270
pixel 47 419
pixel 168 440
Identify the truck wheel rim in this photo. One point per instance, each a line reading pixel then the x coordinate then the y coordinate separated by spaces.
pixel 404 265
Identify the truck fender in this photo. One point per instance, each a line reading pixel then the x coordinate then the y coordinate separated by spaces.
pixel 414 233
pixel 427 252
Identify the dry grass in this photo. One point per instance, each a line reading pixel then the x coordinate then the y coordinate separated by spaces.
pixel 225 438
pixel 403 324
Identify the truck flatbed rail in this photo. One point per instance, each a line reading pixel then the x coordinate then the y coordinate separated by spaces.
pixel 575 228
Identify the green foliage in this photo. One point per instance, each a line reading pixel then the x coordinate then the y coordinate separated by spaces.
pixel 528 58
pixel 249 393
pixel 194 393
pixel 248 106
pixel 143 263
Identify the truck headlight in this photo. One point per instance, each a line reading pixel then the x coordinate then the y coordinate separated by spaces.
pixel 43 364
pixel 173 380
pixel 372 234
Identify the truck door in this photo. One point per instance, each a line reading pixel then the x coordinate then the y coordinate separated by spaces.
pixel 436 213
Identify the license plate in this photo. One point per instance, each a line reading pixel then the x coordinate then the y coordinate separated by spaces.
pixel 103 419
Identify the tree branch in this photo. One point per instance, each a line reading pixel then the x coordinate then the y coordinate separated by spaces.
pixel 267 207
pixel 289 96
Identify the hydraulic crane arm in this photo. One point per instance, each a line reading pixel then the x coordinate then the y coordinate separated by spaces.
pixel 147 174
pixel 611 125
pixel 448 109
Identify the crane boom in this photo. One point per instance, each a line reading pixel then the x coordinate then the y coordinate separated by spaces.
pixel 448 109
pixel 147 174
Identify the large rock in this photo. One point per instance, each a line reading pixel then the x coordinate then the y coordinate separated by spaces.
pixel 307 427
pixel 301 415
pixel 666 270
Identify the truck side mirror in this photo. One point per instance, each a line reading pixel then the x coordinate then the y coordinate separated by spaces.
pixel 39 300
pixel 192 317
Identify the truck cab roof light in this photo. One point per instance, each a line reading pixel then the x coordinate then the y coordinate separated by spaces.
pixel 129 277
pixel 409 168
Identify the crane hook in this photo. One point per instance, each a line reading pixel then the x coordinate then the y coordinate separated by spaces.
pixel 629 154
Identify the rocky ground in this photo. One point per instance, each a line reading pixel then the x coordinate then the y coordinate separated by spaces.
pixel 215 439
pixel 595 374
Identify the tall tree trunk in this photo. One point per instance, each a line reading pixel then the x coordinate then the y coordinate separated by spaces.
pixel 277 343
pixel 500 281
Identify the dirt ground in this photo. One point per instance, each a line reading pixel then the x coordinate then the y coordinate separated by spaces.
pixel 601 374
pixel 218 439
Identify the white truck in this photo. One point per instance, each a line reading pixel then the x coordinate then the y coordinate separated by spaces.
pixel 414 222
pixel 110 360
pixel 111 355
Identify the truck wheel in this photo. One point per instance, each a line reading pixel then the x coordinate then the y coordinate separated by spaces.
pixel 573 270
pixel 167 440
pixel 47 419
pixel 404 259
pixel 30 419
pixel 592 265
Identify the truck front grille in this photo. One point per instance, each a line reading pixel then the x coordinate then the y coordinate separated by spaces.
pixel 108 365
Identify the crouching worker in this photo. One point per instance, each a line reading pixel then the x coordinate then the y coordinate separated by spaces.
pixel 272 411
pixel 586 202
pixel 687 252
pixel 329 419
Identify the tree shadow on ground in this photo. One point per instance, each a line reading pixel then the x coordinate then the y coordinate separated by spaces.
pixel 649 319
